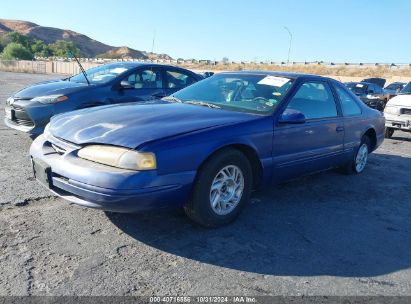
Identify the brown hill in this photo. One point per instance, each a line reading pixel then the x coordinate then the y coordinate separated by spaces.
pixel 88 47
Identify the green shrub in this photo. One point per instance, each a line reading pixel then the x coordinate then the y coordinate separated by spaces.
pixel 16 51
pixel 60 48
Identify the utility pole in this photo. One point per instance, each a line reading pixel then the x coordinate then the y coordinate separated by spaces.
pixel 291 40
pixel 154 41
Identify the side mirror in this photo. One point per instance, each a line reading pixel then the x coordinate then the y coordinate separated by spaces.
pixel 291 116
pixel 124 84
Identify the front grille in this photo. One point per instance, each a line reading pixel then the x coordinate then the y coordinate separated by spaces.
pixel 406 111
pixel 59 146
pixel 23 122
pixel 20 117
pixel 58 149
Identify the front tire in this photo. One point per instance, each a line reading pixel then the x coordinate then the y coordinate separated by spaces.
pixel 221 190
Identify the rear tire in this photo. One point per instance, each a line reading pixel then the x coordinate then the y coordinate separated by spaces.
pixel 389 132
pixel 359 161
pixel 221 190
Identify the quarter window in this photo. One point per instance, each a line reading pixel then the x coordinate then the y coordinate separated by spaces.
pixel 314 100
pixel 348 104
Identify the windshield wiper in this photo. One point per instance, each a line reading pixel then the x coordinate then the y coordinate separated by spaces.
pixel 203 103
pixel 172 99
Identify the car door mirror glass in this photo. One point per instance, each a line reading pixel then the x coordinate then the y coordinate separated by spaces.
pixel 291 116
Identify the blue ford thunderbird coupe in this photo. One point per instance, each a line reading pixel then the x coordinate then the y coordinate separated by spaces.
pixel 206 147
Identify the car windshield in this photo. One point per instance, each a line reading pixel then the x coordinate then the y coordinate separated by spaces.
pixel 357 87
pixel 252 93
pixel 101 74
pixel 406 89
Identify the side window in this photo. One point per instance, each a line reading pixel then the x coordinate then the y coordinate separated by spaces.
pixel 348 104
pixel 314 100
pixel 178 80
pixel 146 79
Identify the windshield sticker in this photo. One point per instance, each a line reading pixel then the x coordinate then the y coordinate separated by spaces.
pixel 359 85
pixel 277 94
pixel 274 81
pixel 118 70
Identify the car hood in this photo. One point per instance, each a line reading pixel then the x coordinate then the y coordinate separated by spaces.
pixel 50 88
pixel 400 100
pixel 131 125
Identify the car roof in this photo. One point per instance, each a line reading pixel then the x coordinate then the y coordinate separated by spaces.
pixel 278 74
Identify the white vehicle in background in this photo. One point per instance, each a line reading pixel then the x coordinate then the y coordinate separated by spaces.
pixel 398 112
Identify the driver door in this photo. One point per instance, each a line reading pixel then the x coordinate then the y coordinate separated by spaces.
pixel 314 145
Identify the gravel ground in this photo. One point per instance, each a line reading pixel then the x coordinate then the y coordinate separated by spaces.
pixel 328 234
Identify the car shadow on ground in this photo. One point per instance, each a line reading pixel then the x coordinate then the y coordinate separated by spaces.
pixel 325 224
pixel 400 138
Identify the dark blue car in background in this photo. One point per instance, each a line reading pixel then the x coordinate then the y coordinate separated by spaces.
pixel 207 146
pixel 30 109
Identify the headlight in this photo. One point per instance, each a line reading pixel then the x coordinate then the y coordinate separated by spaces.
pixel 118 157
pixel 50 98
pixel 392 110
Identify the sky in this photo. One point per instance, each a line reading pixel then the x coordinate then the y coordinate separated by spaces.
pixel 322 30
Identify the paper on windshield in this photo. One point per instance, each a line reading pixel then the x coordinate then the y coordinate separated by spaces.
pixel 118 70
pixel 359 85
pixel 274 81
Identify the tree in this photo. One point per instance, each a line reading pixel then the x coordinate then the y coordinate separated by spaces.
pixel 61 48
pixel 226 60
pixel 39 48
pixel 16 38
pixel 16 51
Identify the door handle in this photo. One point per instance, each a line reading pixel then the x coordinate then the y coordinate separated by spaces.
pixel 339 129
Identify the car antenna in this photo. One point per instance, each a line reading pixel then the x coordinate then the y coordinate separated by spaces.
pixel 81 67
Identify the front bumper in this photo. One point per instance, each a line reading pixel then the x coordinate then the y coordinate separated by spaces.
pixel 27 116
pixel 399 122
pixel 98 186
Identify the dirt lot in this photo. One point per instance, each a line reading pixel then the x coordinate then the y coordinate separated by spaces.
pixel 327 234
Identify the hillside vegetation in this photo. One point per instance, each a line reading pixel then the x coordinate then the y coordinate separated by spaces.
pixel 87 46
